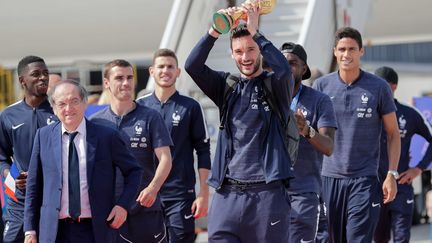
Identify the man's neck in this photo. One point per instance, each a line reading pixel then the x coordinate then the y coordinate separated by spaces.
pixel 34 101
pixel 163 94
pixel 296 88
pixel 122 108
pixel 349 77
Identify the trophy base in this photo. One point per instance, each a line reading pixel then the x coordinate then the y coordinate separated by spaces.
pixel 222 23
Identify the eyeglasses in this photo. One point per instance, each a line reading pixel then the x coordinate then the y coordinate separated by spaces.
pixel 72 102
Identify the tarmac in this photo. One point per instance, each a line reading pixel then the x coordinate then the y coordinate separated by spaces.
pixel 419 234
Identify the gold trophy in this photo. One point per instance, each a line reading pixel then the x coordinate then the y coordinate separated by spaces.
pixel 223 22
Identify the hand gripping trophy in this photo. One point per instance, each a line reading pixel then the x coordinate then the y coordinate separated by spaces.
pixel 222 22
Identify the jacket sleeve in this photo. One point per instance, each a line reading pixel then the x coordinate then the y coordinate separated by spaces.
pixel 5 146
pixel 129 168
pixel 34 188
pixel 211 82
pixel 282 81
pixel 200 137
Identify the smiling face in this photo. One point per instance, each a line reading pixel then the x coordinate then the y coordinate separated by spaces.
pixel 298 67
pixel 68 106
pixel 165 71
pixel 34 79
pixel 348 54
pixel 120 82
pixel 246 53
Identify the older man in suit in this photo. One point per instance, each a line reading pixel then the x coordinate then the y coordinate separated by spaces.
pixel 71 177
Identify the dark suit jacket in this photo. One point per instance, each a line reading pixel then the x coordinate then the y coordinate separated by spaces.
pixel 105 151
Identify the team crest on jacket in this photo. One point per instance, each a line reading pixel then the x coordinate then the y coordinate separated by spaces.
pixel 176 118
pixel 50 120
pixel 138 129
pixel 364 98
pixel 402 124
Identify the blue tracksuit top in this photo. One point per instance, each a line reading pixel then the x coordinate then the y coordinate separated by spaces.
pixel 359 108
pixel 142 130
pixel 18 125
pixel 185 121
pixel 410 122
pixel 273 156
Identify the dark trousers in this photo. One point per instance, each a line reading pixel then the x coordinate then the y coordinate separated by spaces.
pixel 250 214
pixel 179 220
pixel 75 232
pixel 397 217
pixel 353 207
pixel 305 212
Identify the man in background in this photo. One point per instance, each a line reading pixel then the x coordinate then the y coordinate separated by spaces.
pixel 185 121
pixel 146 136
pixel 397 216
pixel 363 104
pixel 18 125
pixel 316 123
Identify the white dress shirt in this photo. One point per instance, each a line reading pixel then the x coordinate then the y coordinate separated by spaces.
pixel 81 147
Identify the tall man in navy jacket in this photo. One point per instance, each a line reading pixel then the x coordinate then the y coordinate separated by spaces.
pixel 397 215
pixel 83 208
pixel 363 105
pixel 18 125
pixel 184 119
pixel 252 164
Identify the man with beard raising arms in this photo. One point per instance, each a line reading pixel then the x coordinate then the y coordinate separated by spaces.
pixel 252 166
pixel 18 125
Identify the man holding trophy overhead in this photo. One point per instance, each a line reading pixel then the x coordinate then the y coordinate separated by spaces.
pixel 252 166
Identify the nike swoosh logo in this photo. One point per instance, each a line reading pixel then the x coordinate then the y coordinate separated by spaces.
pixel 375 205
pixel 188 216
pixel 156 236
pixel 306 241
pixel 15 127
pixel 410 201
pixel 274 223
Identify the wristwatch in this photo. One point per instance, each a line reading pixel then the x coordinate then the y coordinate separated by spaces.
pixel 394 173
pixel 311 133
pixel 257 35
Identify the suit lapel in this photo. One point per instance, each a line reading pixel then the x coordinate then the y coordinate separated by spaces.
pixel 57 145
pixel 91 149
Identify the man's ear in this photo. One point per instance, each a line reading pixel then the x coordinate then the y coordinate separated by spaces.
pixel 106 83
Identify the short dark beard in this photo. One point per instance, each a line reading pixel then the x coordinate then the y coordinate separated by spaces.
pixel 256 67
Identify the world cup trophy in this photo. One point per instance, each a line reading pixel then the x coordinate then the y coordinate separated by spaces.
pixel 222 22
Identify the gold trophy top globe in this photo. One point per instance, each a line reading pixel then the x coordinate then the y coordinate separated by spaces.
pixel 223 22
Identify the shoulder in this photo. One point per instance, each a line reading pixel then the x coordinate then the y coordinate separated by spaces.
pixel 100 115
pixel 99 130
pixel 327 79
pixel 186 101
pixel 370 79
pixel 144 99
pixel 49 129
pixel 313 92
pixel 410 111
pixel 13 108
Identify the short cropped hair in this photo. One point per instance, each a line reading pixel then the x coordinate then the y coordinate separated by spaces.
pixel 26 61
pixel 114 63
pixel 82 91
pixel 348 32
pixel 164 52
pixel 239 31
